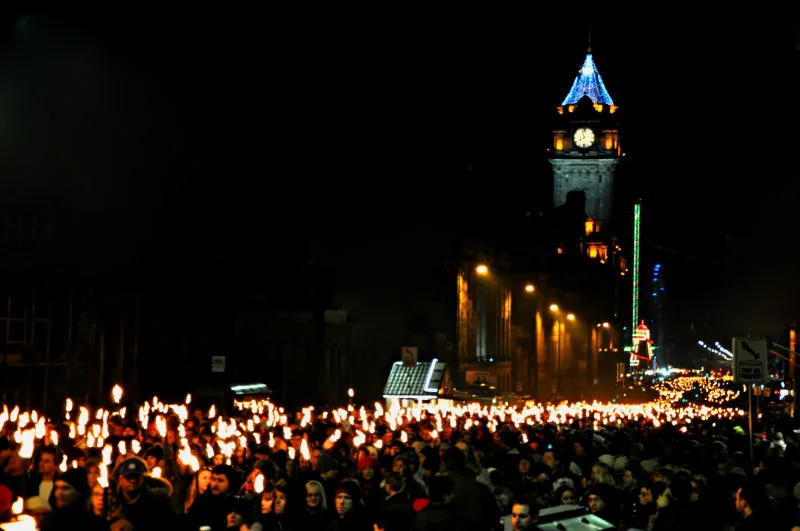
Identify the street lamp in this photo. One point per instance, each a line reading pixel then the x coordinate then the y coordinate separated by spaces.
pixel 606 325
pixel 529 288
pixel 570 317
pixel 482 269
pixel 554 307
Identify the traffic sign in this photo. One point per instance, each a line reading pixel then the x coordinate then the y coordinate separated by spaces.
pixel 750 360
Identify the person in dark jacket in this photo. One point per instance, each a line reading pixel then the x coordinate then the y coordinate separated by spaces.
pixel 144 500
pixel 71 511
pixel 440 512
pixel 476 508
pixel 219 508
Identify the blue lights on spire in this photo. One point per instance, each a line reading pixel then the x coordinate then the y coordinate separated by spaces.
pixel 588 83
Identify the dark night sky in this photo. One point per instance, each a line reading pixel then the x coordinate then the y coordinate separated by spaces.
pixel 210 133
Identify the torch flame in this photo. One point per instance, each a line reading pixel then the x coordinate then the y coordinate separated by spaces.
pixel 116 393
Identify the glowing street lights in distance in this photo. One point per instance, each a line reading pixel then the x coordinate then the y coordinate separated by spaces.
pixel 570 317
pixel 554 307
pixel 529 288
pixel 482 269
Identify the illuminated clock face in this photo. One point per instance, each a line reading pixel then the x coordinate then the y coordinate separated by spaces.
pixel 584 137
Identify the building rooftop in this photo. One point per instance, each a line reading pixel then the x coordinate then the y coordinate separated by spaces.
pixel 420 381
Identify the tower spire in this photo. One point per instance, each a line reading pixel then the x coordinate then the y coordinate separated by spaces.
pixel 588 83
pixel 589 44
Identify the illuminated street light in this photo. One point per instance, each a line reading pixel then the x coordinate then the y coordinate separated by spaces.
pixel 570 317
pixel 554 307
pixel 529 288
pixel 606 325
pixel 482 269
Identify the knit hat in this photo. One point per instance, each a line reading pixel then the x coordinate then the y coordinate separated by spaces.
pixel 367 462
pixel 78 479
pixel 156 452
pixel 351 488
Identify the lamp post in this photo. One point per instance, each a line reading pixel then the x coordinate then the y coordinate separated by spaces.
pixel 533 375
pixel 558 325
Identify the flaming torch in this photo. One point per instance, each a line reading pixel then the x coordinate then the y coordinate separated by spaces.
pixel 20 522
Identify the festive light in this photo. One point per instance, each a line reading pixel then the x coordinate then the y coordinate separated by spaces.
pixel 588 83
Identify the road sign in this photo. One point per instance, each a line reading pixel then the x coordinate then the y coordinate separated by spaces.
pixel 217 363
pixel 750 360
pixel 409 356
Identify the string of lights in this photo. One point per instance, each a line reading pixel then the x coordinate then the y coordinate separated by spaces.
pixel 718 349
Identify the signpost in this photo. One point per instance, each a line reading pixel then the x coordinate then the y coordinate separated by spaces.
pixel 750 360
pixel 218 363
pixel 409 356
pixel 750 368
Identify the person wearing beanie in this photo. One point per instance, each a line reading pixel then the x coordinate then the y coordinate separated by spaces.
pixel 153 456
pixel 367 462
pixel 350 511
pixel 71 510
pixel 370 477
pixel 602 501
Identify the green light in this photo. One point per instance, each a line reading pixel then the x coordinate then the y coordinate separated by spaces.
pixel 637 210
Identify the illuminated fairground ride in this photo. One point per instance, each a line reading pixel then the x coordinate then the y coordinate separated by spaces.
pixel 642 346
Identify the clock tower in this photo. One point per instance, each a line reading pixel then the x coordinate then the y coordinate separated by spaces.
pixel 586 146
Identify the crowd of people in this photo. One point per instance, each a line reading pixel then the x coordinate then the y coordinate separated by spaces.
pixel 638 474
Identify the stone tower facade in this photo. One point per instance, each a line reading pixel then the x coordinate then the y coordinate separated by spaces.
pixel 586 144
